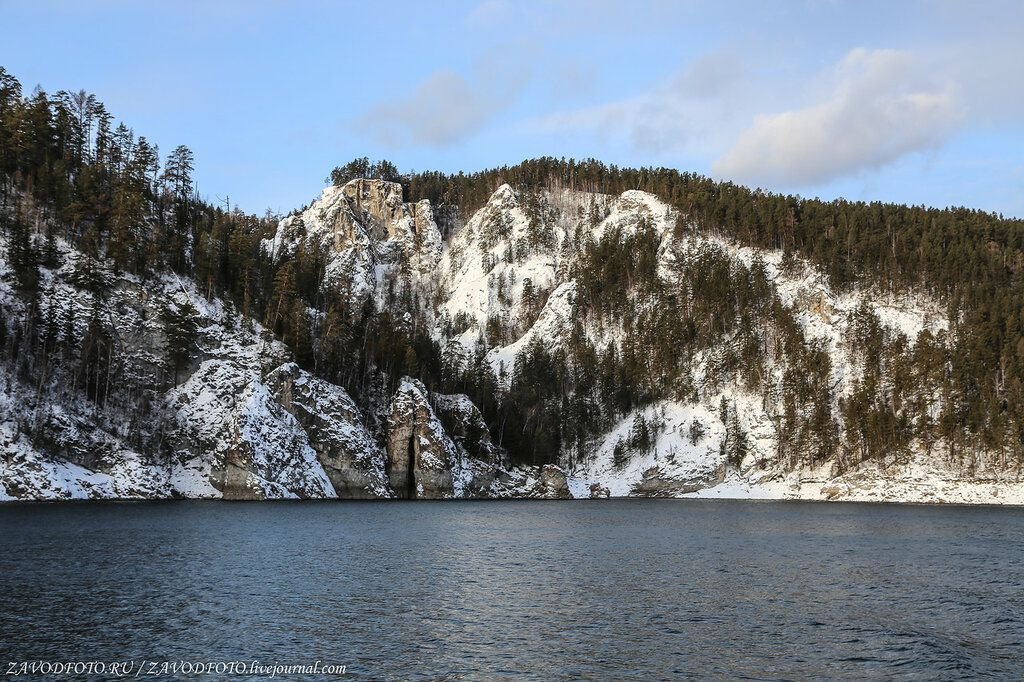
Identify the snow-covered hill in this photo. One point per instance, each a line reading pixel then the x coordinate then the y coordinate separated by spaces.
pixel 494 257
pixel 245 421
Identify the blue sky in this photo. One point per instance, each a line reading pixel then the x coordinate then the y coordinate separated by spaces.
pixel 918 102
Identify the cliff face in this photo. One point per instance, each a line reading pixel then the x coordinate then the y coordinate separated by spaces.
pixel 364 227
pixel 241 421
pixel 421 458
pixel 438 447
pixel 333 424
pixel 244 421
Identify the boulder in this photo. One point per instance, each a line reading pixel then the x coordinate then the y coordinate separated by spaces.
pixel 552 484
pixel 656 482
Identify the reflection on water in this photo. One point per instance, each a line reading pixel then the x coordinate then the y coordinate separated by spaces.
pixel 620 589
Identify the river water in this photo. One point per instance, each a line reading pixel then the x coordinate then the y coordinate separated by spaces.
pixel 617 589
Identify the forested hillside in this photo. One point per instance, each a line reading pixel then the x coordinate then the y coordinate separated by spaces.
pixel 601 319
pixel 968 259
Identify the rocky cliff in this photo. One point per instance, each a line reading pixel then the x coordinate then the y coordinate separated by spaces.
pixel 244 421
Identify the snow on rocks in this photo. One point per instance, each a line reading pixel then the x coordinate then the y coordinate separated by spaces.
pixel 333 424
pixel 555 318
pixel 245 422
pixel 257 449
pixel 532 482
pixel 634 208
pixel 221 432
pixel 438 446
pixel 680 453
pixel 479 276
pixel 483 275
pixel 26 473
pixel 363 225
pixel 421 458
pixel 920 481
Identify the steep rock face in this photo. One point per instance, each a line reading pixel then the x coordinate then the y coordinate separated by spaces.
pixel 427 241
pixel 478 276
pixel 40 443
pixel 353 461
pixel 246 423
pixel 480 458
pixel 511 263
pixel 376 206
pixel 421 457
pixel 438 447
pixel 466 426
pixel 255 448
pixel 659 482
pixel 365 227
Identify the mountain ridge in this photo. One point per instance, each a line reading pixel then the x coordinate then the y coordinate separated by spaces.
pixel 671 465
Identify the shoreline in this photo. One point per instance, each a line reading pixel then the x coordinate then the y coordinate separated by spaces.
pixel 690 497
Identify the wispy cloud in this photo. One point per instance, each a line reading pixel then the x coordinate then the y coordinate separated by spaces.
pixel 444 109
pixel 882 106
pixel 686 111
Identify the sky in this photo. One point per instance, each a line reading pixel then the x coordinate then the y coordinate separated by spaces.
pixel 913 102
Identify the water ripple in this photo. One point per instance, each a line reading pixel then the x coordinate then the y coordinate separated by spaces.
pixel 620 589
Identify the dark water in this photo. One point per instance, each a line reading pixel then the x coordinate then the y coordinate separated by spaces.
pixel 616 589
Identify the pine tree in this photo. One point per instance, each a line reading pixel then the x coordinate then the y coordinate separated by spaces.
pixel 24 258
pixel 180 333
pixel 178 172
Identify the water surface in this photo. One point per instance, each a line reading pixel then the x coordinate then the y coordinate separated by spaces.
pixel 618 589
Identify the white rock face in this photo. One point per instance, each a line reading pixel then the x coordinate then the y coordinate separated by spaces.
pixel 497 255
pixel 422 461
pixel 508 248
pixel 489 261
pixel 366 228
pixel 255 447
pixel 351 458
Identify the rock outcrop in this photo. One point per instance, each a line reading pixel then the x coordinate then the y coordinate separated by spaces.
pixel 657 482
pixel 421 458
pixel 362 225
pixel 552 484
pixel 254 448
pixel 333 424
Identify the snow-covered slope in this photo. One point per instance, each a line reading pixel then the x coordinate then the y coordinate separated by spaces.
pixel 518 244
pixel 227 429
pixel 244 421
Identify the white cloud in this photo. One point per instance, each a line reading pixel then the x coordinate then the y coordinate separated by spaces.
pixel 761 116
pixel 882 106
pixel 685 112
pixel 442 110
